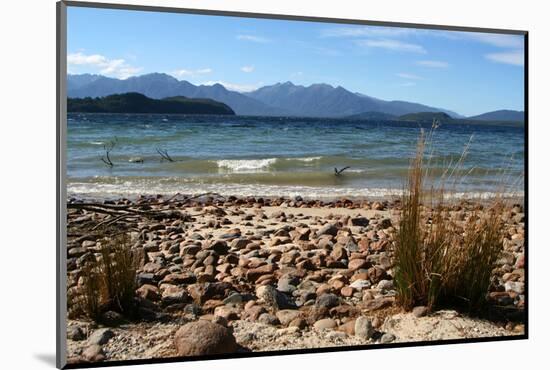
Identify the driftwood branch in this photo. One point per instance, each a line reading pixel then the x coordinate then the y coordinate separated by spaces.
pixel 164 155
pixel 108 148
pixel 338 172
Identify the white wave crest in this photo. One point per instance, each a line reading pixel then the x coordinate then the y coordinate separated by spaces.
pixel 246 165
pixel 167 186
pixel 306 159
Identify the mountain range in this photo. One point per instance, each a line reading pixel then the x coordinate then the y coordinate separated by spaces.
pixel 280 99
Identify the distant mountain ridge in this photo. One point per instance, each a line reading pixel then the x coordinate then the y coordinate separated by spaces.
pixel 327 101
pixel 160 85
pixel 280 99
pixel 501 115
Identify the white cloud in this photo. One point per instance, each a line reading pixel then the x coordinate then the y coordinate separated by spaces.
pixel 366 31
pixel 393 45
pixel 252 38
pixel 433 63
pixel 515 57
pixel 497 40
pixel 247 69
pixel 181 73
pixel 234 86
pixel 109 67
pixel 81 59
pixel 408 76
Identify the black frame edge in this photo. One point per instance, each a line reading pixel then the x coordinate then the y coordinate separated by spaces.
pixel 60 198
pixel 241 14
pixel 61 117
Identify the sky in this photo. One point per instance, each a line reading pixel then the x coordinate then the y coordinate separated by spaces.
pixel 469 73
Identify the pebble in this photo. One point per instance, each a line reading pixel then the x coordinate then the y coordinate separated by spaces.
pixel 385 284
pixel 420 311
pixel 268 319
pixel 286 316
pixel 333 268
pixel 387 338
pixel 327 300
pixel 324 324
pixel 75 333
pixel 360 284
pixel 514 286
pixel 101 336
pixel 93 353
pixel 363 328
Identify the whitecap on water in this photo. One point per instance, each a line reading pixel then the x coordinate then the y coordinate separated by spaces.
pixel 240 165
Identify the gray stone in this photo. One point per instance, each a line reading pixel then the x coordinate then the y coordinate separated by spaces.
pixel 324 324
pixel 363 328
pixel 192 309
pixel 273 298
pixel 268 319
pixel 93 353
pixel 101 336
pixel 420 311
pixel 327 300
pixel 234 298
pixel 387 338
pixel 174 295
pixel 145 278
pixel 111 318
pixel 514 286
pixel 359 221
pixel 385 284
pixel 287 284
pixel 385 223
pixel 75 333
pixel 360 284
pixel 328 229
pixel 286 316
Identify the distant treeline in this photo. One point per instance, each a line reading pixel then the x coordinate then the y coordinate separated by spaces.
pixel 139 103
pixel 429 117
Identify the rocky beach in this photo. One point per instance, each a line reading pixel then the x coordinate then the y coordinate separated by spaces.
pixel 222 274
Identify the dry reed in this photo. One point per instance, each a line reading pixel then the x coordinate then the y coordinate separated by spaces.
pixel 440 260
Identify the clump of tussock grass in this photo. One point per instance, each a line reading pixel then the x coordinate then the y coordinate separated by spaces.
pixel 473 257
pixel 441 261
pixel 108 282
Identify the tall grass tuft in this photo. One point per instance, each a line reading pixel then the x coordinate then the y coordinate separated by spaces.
pixel 86 299
pixel 118 272
pixel 108 282
pixel 411 283
pixel 474 259
pixel 439 260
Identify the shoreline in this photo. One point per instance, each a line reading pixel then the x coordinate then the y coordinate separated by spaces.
pixel 357 201
pixel 276 273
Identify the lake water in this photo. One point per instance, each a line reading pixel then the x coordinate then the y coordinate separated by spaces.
pixel 272 156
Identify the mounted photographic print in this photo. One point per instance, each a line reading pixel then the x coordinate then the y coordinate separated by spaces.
pixel 235 184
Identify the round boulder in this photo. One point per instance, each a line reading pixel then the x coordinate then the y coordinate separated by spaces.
pixel 204 338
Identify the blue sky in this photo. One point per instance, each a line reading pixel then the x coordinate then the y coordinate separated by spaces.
pixel 469 73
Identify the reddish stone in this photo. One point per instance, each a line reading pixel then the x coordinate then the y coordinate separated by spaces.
pixel 347 291
pixel 254 273
pixel 357 264
pixel 148 291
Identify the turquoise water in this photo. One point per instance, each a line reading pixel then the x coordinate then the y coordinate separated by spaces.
pixel 278 155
